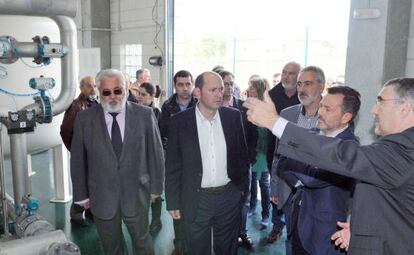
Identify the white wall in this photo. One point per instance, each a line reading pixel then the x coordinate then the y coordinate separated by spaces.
pixel 131 23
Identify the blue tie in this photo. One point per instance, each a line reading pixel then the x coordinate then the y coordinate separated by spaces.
pixel 116 136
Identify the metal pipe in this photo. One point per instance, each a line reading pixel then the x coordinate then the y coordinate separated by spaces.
pixel 33 245
pixel 18 148
pixel 69 67
pixel 26 49
pixel 3 188
pixel 70 64
pixel 38 7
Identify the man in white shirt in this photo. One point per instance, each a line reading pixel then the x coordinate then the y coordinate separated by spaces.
pixel 207 170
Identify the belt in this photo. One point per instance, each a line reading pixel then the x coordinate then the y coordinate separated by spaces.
pixel 216 190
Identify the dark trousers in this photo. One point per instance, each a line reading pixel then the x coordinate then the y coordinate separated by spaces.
pixel 264 184
pixel 218 216
pixel 245 208
pixel 297 247
pixel 179 242
pixel 277 218
pixel 112 238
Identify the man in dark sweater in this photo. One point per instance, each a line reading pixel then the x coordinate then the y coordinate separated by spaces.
pixel 283 95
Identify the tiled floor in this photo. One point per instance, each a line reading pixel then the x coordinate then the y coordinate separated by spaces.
pixel 86 237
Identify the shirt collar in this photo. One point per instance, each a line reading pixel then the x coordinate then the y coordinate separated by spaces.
pixel 335 133
pixel 201 116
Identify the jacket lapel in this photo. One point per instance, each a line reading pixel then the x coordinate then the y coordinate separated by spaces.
pixel 191 128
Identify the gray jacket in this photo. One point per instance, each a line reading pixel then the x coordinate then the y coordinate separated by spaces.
pixel 110 183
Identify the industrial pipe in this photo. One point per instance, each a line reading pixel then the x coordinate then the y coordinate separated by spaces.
pixel 18 150
pixel 34 245
pixel 3 188
pixel 43 8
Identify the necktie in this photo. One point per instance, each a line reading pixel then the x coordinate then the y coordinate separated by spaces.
pixel 116 135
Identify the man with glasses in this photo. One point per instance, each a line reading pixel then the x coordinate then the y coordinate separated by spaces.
pixel 383 201
pixel 310 85
pixel 117 165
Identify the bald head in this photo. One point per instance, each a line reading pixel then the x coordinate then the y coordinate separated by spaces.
pixel 87 86
pixel 290 75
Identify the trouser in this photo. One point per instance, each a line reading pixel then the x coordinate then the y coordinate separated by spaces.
pixel 264 184
pixel 112 238
pixel 277 218
pixel 245 208
pixel 156 209
pixel 218 216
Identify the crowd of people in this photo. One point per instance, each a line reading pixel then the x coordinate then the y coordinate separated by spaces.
pixel 209 150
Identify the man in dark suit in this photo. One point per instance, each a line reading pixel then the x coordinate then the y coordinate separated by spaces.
pixel 117 165
pixel 383 202
pixel 180 101
pixel 321 198
pixel 206 170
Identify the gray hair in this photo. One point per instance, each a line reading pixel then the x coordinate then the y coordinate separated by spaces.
pixel 140 72
pixel 318 71
pixel 403 88
pixel 106 73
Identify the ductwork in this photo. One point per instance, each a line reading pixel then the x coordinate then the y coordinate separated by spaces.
pixel 44 8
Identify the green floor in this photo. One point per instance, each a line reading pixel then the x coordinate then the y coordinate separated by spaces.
pixel 86 237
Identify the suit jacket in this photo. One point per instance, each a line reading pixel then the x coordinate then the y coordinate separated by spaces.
pixel 184 169
pixel 110 183
pixel 279 188
pixel 382 220
pixel 325 199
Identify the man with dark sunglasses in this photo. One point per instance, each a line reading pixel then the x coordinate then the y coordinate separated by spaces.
pixel 117 165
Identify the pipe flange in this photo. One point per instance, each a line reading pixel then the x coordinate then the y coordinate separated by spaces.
pixel 32 225
pixel 11 56
pixel 62 248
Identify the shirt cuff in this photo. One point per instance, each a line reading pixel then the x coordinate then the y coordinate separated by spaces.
pixel 82 202
pixel 279 127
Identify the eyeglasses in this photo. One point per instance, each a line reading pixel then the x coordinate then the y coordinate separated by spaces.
pixel 379 100
pixel 107 93
pixel 305 83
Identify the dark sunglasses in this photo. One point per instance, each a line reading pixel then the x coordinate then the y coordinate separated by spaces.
pixel 107 93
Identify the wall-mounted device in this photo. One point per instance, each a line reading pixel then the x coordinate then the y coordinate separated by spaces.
pixel 155 61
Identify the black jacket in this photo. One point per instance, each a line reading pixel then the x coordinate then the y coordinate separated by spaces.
pixel 168 109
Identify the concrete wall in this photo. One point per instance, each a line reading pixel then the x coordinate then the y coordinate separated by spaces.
pixel 132 23
pixel 377 52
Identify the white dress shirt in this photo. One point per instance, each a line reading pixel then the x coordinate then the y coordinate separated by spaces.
pixel 213 150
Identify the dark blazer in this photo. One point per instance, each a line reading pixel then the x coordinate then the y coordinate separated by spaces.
pixel 183 159
pixel 382 220
pixel 108 183
pixel 325 199
pixel 168 109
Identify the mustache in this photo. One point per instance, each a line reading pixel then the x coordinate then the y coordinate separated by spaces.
pixel 303 94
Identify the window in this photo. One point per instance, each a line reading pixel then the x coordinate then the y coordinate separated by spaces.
pixel 132 59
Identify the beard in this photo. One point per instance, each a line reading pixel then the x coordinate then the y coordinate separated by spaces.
pixel 309 100
pixel 114 107
pixel 289 86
